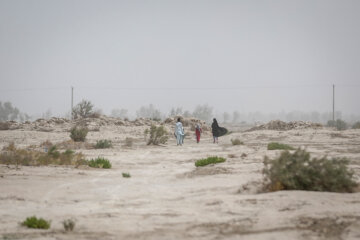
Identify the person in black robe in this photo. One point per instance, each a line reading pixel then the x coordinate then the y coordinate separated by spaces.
pixel 217 131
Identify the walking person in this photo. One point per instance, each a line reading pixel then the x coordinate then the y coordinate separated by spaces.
pixel 217 131
pixel 179 132
pixel 198 132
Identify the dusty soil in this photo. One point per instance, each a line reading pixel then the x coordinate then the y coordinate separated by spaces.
pixel 167 197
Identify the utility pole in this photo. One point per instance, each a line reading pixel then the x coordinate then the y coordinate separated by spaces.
pixel 333 115
pixel 72 102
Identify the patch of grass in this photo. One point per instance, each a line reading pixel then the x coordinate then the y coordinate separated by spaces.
pixel 69 224
pixel 209 160
pixel 103 144
pixel 25 157
pixel 126 175
pixel 237 141
pixel 99 163
pixel 158 135
pixel 281 146
pixel 78 134
pixel 34 222
pixel 297 171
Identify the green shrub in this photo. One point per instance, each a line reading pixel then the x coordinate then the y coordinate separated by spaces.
pixel 53 152
pixel 34 222
pixel 69 225
pixel 103 144
pixel 296 171
pixel 126 175
pixel 356 125
pixel 158 135
pixel 237 142
pixel 338 124
pixel 78 134
pixel 209 160
pixel 281 146
pixel 99 163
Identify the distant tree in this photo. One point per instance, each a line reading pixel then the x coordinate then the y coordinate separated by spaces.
pixel 236 117
pixel 176 112
pixel 119 113
pixel 149 112
pixel 47 114
pixel 83 109
pixel 8 112
pixel 226 117
pixel 203 112
pixel 187 114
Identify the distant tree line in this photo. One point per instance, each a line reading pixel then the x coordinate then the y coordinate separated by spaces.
pixel 10 113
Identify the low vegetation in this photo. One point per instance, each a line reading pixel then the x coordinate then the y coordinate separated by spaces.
pixel 356 125
pixel 103 144
pixel 4 126
pixel 280 146
pixel 68 224
pixel 297 171
pixel 78 133
pixel 209 160
pixel 338 124
pixel 34 222
pixel 99 163
pixel 237 141
pixel 158 135
pixel 126 175
pixel 13 155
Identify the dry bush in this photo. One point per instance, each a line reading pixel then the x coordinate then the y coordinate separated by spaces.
pixel 14 156
pixel 4 126
pixel 103 144
pixel 237 141
pixel 69 224
pixel 78 133
pixel 297 171
pixel 158 135
pixel 83 109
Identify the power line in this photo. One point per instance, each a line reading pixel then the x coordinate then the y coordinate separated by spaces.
pixel 239 87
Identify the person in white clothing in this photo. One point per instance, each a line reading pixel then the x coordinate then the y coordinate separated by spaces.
pixel 179 132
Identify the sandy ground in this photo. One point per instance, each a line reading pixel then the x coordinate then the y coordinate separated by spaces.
pixel 167 197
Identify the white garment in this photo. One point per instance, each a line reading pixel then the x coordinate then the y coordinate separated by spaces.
pixel 179 130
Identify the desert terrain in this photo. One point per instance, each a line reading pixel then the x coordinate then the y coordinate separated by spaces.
pixel 167 197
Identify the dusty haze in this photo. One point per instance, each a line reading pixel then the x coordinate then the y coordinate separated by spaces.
pixel 267 56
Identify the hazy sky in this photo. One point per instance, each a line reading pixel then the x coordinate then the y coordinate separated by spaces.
pixel 271 56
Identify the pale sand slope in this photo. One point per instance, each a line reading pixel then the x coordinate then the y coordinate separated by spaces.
pixel 167 197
